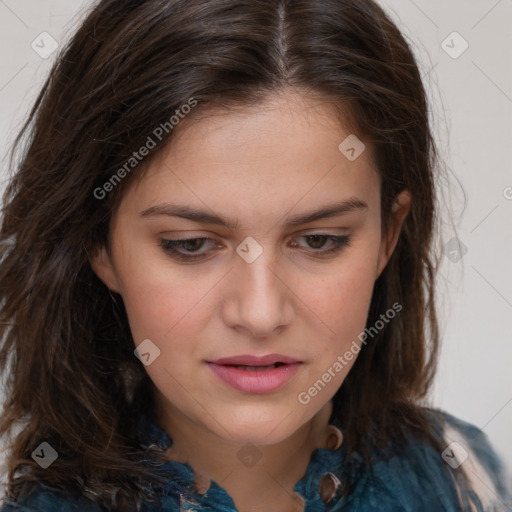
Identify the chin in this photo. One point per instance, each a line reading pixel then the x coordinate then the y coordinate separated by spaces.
pixel 258 437
pixel 260 430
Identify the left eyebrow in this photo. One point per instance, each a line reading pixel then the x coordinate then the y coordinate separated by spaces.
pixel 332 210
pixel 201 216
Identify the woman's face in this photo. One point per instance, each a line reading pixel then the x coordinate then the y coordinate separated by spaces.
pixel 284 246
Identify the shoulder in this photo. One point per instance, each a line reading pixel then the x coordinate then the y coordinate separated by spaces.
pixel 465 474
pixel 44 499
pixel 468 450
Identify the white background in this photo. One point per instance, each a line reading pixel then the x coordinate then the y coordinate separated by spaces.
pixel 472 108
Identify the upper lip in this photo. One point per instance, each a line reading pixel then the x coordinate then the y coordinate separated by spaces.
pixel 250 360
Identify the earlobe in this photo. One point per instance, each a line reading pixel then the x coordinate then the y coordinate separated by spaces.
pixel 102 266
pixel 399 210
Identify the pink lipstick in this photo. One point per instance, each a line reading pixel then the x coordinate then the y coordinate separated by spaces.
pixel 255 374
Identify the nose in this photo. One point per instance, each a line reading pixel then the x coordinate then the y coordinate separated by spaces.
pixel 259 299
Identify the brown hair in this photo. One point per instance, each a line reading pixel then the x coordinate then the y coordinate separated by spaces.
pixel 66 349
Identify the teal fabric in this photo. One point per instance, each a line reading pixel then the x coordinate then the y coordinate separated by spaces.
pixel 413 478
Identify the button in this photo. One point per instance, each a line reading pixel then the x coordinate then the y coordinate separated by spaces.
pixel 330 485
pixel 187 503
pixel 334 438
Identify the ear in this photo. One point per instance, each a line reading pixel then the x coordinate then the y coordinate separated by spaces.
pixel 102 266
pixel 399 210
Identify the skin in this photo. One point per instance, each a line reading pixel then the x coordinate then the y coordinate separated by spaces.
pixel 257 166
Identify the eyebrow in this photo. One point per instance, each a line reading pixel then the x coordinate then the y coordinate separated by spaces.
pixel 202 216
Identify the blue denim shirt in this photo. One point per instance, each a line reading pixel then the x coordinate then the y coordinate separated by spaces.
pixel 414 479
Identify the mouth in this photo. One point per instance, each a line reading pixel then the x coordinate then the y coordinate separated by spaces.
pixel 256 361
pixel 254 374
pixel 256 368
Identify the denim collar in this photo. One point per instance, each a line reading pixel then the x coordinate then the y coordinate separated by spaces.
pixel 320 485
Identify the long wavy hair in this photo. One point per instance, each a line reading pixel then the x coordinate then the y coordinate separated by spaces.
pixel 66 351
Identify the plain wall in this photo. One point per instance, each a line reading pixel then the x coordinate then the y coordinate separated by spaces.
pixel 472 109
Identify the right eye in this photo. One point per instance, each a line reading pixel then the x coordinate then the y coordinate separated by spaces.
pixel 187 249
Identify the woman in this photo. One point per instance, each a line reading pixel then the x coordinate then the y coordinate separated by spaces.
pixel 219 288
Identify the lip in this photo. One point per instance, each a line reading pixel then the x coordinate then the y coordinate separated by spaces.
pixel 255 381
pixel 250 360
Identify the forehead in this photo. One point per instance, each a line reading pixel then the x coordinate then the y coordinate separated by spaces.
pixel 261 160
pixel 283 120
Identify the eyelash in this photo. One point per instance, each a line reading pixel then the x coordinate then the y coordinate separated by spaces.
pixel 173 247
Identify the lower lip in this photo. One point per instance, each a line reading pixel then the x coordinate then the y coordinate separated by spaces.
pixel 258 381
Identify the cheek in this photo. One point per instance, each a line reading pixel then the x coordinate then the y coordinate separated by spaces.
pixel 161 301
pixel 341 303
pixel 160 307
pixel 342 300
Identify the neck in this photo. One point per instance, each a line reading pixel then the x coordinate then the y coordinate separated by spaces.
pixel 258 478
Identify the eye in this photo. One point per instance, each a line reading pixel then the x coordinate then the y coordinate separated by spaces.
pixel 188 249
pixel 318 242
pixel 194 249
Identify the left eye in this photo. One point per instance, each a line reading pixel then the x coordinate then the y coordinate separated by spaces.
pixel 317 243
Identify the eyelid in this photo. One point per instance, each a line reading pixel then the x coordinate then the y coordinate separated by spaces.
pixel 339 241
pixel 332 231
pixel 304 233
pixel 191 238
pixel 172 248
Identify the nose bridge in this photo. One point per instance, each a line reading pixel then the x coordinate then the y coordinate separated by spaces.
pixel 260 278
pixel 261 298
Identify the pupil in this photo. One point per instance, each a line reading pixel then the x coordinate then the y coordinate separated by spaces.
pixel 317 241
pixel 193 245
